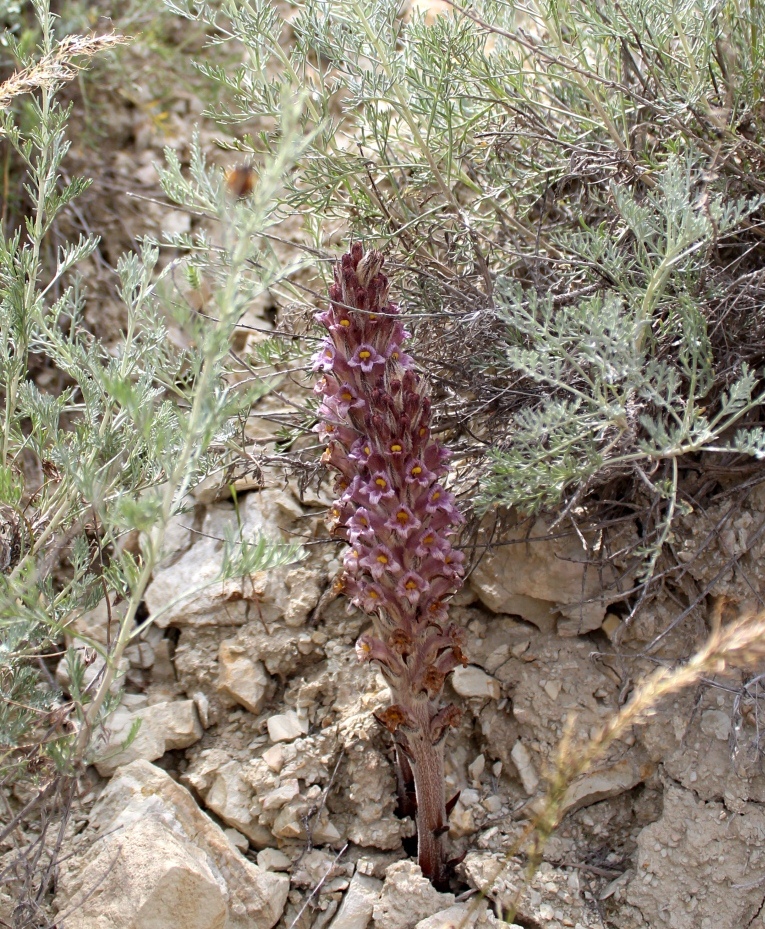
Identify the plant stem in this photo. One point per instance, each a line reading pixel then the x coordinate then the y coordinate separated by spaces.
pixel 428 769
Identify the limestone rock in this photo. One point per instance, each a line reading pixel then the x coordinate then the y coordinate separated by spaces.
pixel 154 881
pixel 101 624
pixel 219 780
pixel 407 898
pixel 690 861
pixel 370 800
pixel 522 760
pixel 473 682
pixel 271 859
pixel 241 678
pixel 358 903
pixel 151 859
pixel 262 804
pixel 94 667
pixel 607 780
pixel 549 573
pixel 164 726
pixel 284 727
pixel 552 897
pixel 473 914
pixel 174 597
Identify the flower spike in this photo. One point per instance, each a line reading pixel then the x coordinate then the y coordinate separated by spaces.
pixel 399 519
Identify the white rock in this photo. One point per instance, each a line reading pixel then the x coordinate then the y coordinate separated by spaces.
pixel 522 760
pixel 230 797
pixel 203 708
pixel 407 898
pixel 243 679
pixel 476 768
pixel 164 726
pixel 462 820
pixel 691 864
pixel 470 797
pixel 186 593
pixel 94 667
pixel 140 655
pixel 284 727
pixel 492 804
pixel 358 903
pixel 473 682
pixel 274 757
pixel 271 859
pixel 175 888
pixel 101 624
pixel 325 832
pixel 163 669
pixel 610 780
pixel 151 859
pixel 552 689
pixel 236 838
pixel 472 914
pixel 276 799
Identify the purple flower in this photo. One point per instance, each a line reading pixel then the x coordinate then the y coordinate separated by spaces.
pixel 361 526
pixel 403 522
pixel 379 487
pixel 411 586
pixel 366 357
pixel 380 561
pixel 416 472
pixel 324 360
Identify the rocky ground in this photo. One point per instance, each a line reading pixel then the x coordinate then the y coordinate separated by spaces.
pixel 259 791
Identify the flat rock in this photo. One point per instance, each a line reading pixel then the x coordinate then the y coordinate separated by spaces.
pixel 474 682
pixel 606 781
pixel 472 914
pixel 186 592
pixel 151 859
pixel 163 727
pixel 552 574
pixel 271 859
pixel 526 772
pixel 284 727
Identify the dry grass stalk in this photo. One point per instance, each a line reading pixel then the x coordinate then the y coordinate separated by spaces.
pixel 58 67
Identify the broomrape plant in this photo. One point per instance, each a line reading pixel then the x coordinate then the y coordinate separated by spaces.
pixel 398 518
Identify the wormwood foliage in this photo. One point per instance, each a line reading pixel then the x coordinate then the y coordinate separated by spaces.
pixel 571 194
pixel 95 467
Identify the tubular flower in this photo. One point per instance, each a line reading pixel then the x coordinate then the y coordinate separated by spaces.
pixel 393 509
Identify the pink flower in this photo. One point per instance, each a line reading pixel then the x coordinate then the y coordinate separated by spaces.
pixel 403 522
pixel 380 561
pixel 379 487
pixel 324 360
pixel 366 357
pixel 370 597
pixel 362 526
pixel 411 586
pixel 416 472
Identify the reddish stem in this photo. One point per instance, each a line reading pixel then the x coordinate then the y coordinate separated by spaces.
pixel 428 769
